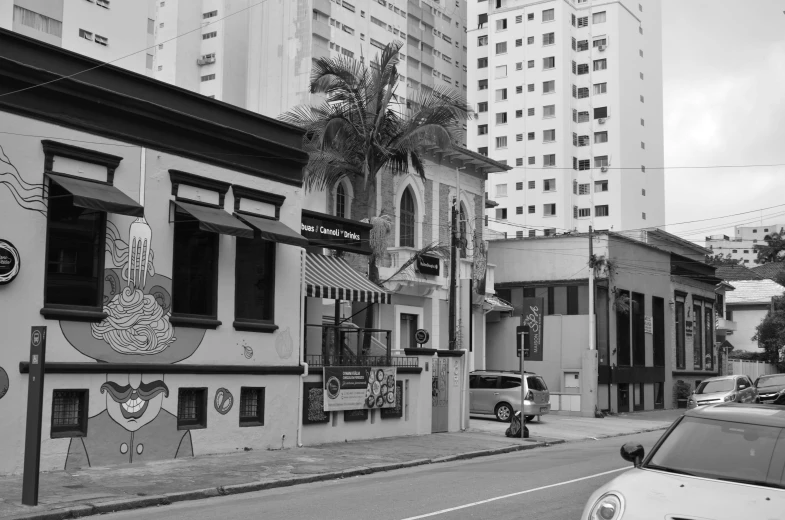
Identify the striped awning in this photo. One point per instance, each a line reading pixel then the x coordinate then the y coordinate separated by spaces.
pixel 331 277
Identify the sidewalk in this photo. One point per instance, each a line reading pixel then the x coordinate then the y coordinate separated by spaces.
pixel 105 489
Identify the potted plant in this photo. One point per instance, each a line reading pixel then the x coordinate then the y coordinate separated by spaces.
pixel 683 391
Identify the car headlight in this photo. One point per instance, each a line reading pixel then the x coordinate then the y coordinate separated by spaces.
pixel 610 506
pixel 730 397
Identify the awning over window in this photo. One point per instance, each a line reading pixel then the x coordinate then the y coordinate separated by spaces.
pixel 331 277
pixel 273 230
pixel 494 303
pixel 98 196
pixel 215 220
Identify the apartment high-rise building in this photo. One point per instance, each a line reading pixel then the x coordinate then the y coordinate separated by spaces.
pixel 569 93
pixel 261 57
pixel 745 242
pixel 117 31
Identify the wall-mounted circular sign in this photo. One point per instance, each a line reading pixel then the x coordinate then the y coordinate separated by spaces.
pixel 9 262
pixel 421 336
pixel 3 382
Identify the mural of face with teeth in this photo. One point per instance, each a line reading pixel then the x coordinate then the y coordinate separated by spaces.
pixel 132 402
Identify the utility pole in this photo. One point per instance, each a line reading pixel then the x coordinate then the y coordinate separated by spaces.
pixel 453 274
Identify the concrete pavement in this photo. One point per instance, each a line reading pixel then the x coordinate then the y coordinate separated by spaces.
pixel 105 489
pixel 545 484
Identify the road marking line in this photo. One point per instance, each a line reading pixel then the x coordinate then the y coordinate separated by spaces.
pixel 465 506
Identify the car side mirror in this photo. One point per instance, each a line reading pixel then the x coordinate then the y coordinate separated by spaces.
pixel 632 453
pixel 742 386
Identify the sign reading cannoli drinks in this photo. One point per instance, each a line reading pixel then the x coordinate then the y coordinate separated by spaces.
pixel 357 388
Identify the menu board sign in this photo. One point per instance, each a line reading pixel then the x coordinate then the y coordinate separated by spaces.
pixel 357 388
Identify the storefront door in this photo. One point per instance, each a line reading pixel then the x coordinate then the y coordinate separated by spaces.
pixel 439 391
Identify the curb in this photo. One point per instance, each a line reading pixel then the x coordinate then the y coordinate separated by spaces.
pixel 129 504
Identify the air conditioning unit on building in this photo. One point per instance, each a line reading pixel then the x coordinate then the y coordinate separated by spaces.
pixel 601 120
pixel 601 47
pixel 205 61
pixel 604 169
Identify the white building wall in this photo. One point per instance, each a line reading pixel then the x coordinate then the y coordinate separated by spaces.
pixel 123 24
pixel 744 242
pixel 630 123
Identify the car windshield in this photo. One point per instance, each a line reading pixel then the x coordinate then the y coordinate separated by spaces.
pixel 719 449
pixel 718 385
pixel 536 383
pixel 768 381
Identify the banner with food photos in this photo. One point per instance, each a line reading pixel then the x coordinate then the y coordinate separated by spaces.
pixel 357 388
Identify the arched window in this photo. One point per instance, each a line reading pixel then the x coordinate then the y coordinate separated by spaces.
pixel 462 230
pixel 340 201
pixel 407 219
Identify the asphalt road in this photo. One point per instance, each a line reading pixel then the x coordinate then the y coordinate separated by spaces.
pixel 543 484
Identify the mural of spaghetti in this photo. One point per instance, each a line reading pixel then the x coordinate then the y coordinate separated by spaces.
pixel 31 197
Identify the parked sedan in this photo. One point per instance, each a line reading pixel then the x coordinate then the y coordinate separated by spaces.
pixel 718 462
pixel 735 388
pixel 771 389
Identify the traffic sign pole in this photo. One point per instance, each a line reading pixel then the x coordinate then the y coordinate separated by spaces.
pixel 35 404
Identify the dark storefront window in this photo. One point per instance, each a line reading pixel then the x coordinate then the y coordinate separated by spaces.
pixel 697 337
pixel 74 272
pixel 529 292
pixel 601 310
pixel 551 300
pixel 407 219
pixel 638 309
pixel 572 300
pixel 195 270
pixel 658 339
pixel 624 397
pixel 680 353
pixel 708 319
pixel 623 309
pixel 254 282
pixel 659 396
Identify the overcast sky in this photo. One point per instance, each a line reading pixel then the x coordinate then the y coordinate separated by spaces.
pixel 724 92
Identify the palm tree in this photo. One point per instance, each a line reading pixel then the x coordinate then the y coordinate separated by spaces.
pixel 362 130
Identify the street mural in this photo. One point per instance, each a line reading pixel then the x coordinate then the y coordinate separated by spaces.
pixel 29 196
pixel 223 401
pixel 133 428
pixel 138 301
pixel 3 382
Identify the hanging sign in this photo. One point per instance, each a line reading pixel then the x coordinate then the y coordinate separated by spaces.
pixel 358 388
pixel 531 316
pixel 336 233
pixel 421 336
pixel 428 264
pixel 648 325
pixel 9 262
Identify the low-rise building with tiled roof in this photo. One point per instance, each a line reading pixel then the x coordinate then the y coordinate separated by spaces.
pixel 747 305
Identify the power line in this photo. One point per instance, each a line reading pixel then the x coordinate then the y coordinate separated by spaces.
pixel 131 54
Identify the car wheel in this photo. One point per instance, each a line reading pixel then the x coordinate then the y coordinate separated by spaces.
pixel 529 418
pixel 503 412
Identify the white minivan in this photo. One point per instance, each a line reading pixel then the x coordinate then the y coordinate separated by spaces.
pixel 498 392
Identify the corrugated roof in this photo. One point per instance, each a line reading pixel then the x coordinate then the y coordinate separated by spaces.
pixel 754 291
pixel 730 273
pixel 770 270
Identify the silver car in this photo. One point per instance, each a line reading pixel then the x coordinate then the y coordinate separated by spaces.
pixel 735 388
pixel 499 393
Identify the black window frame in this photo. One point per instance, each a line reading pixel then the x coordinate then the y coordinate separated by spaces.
pixel 573 300
pixel 679 326
pixel 697 334
pixel 65 431
pixel 408 216
pixel 340 201
pixel 658 330
pixel 252 420
pixel 551 305
pixel 61 311
pixel 246 322
pixel 200 422
pixel 623 333
pixel 638 317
